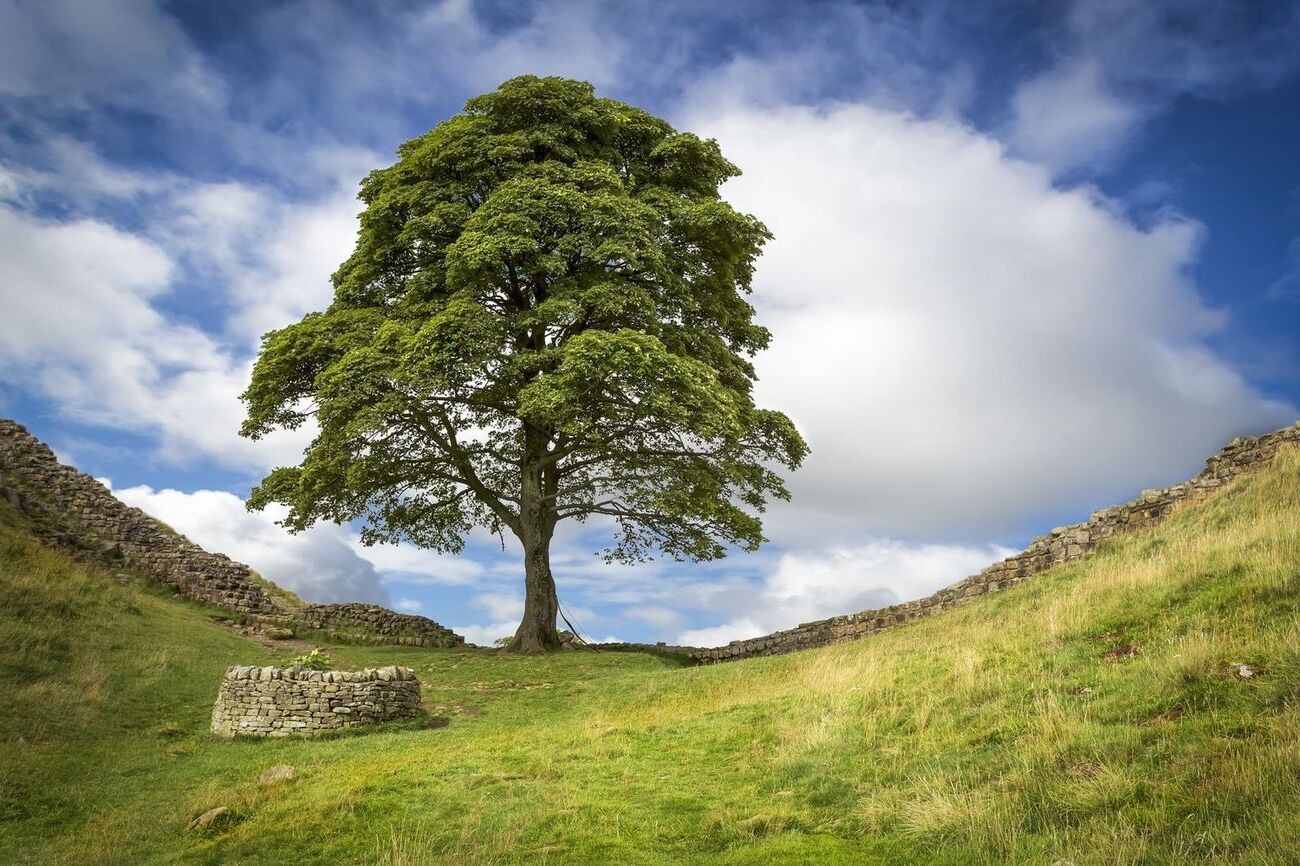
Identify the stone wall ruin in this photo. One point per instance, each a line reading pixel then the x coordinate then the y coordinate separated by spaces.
pixel 72 511
pixel 370 622
pixel 283 702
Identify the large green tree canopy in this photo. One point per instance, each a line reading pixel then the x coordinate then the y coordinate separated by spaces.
pixel 543 318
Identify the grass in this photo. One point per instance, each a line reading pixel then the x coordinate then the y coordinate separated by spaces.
pixel 1093 714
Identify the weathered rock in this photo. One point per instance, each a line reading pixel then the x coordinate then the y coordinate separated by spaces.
pixel 213 819
pixel 280 773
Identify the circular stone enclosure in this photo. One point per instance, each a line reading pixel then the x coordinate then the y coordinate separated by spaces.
pixel 282 702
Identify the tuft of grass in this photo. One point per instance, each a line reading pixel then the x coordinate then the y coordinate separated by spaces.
pixel 1009 730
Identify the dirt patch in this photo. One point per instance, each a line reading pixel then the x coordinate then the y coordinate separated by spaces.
pixel 271 638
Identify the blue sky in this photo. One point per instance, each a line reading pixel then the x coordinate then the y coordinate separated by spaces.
pixel 1030 258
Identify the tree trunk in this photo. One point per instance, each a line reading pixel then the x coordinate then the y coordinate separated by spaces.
pixel 537 632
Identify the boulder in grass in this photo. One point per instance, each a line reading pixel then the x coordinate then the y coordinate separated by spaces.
pixel 212 820
pixel 280 773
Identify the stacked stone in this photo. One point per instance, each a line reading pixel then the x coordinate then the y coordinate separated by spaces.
pixel 283 702
pixel 1064 544
pixel 353 621
pixel 75 512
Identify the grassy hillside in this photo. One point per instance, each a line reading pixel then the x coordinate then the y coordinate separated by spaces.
pixel 1095 714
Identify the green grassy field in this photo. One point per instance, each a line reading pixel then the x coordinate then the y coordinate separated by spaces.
pixel 1093 715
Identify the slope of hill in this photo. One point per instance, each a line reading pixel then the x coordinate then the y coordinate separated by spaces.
pixel 1138 706
pixel 71 511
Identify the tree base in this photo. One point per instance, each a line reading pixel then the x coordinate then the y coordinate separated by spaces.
pixel 530 647
pixel 534 639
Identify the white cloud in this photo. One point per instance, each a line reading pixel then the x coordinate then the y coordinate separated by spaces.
pixel 559 40
pixel 964 345
pixel 501 605
pixel 740 628
pixel 663 618
pixel 1170 47
pixel 410 605
pixel 82 327
pixel 86 327
pixel 486 635
pixel 807 585
pixel 272 255
pixel 127 53
pixel 584 614
pixel 66 282
pixel 317 564
pixel 1067 118
pixel 76 174
pixel 412 565
pixel 1121 64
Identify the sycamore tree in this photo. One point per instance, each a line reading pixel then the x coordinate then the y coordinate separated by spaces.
pixel 544 319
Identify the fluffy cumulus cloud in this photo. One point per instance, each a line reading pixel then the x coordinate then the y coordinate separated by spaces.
pixel 271 254
pixel 963 343
pixel 811 585
pixel 82 327
pixel 414 566
pixel 503 609
pixel 318 564
pixel 91 323
pixel 1068 118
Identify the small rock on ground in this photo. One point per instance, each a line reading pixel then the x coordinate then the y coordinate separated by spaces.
pixel 211 819
pixel 275 774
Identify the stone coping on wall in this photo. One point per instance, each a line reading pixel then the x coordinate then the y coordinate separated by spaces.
pixel 257 701
pixel 267 673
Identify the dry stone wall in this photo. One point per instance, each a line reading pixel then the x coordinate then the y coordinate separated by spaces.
pixel 363 622
pixel 1065 544
pixel 283 702
pixel 71 510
